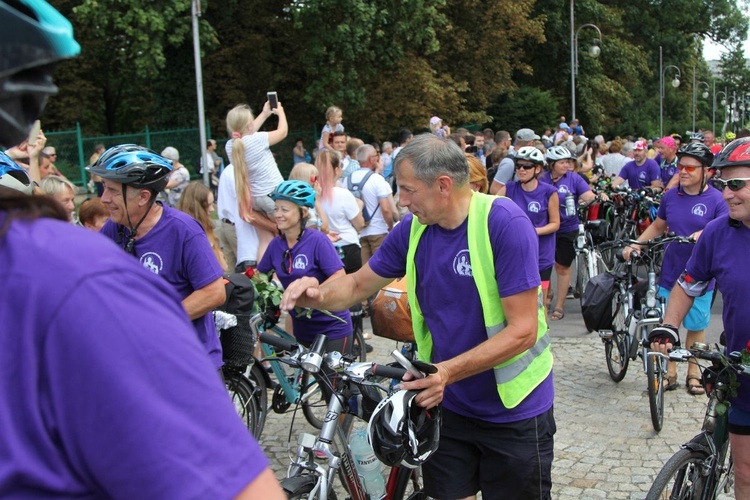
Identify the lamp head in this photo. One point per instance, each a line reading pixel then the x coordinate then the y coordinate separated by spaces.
pixel 595 50
pixel 705 94
pixel 676 82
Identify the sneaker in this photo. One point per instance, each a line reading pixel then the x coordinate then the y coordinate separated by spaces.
pixel 570 294
pixel 367 335
pixel 368 347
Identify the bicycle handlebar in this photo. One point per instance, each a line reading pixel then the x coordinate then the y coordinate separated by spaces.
pixel 733 359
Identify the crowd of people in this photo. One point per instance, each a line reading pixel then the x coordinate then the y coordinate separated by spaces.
pixel 127 399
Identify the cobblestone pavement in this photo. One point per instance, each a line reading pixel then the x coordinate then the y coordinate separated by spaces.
pixel 605 446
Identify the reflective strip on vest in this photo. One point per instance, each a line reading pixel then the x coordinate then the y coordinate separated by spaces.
pixel 517 377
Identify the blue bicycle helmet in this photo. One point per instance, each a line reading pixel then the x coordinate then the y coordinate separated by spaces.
pixel 14 176
pixel 33 38
pixel 135 166
pixel 298 192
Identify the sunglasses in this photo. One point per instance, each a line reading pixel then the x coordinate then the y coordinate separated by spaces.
pixel 525 166
pixel 732 184
pixel 687 168
pixel 287 260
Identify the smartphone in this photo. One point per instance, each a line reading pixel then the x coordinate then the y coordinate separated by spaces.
pixel 406 364
pixel 34 132
pixel 273 99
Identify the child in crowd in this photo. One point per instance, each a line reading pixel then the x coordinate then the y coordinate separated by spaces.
pixel 308 173
pixel 255 169
pixel 436 125
pixel 334 116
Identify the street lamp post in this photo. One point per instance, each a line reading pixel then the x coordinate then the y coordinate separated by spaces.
pixel 713 107
pixel 196 14
pixel 594 52
pixel 675 83
pixel 695 95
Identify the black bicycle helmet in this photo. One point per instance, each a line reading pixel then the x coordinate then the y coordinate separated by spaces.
pixel 135 166
pixel 33 38
pixel 699 151
pixel 14 176
pixel 403 433
pixel 298 192
pixel 734 154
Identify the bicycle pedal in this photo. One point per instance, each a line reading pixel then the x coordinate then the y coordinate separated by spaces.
pixel 606 334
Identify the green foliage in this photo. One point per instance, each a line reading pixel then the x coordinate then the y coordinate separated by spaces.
pixel 525 107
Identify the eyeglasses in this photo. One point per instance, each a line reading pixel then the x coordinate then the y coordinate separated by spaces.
pixel 53 154
pixel 525 166
pixel 287 259
pixel 687 168
pixel 732 184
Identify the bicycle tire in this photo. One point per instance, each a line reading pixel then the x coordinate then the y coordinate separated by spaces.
pixel 616 348
pixel 241 393
pixel 359 348
pixel 582 275
pixel 261 396
pixel 655 375
pixel 409 485
pixel 314 405
pixel 681 476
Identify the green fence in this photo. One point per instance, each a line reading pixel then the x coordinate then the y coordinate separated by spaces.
pixel 74 149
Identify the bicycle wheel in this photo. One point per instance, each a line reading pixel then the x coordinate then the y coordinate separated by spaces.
pixel 359 349
pixel 241 392
pixel 409 485
pixel 681 476
pixel 655 375
pixel 616 348
pixel 260 394
pixel 314 405
pixel 582 274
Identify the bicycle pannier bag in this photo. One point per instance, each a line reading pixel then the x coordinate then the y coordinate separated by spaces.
pixel 390 313
pixel 596 302
pixel 240 294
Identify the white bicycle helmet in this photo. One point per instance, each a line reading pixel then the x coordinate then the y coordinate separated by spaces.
pixel 532 154
pixel 557 153
pixel 403 433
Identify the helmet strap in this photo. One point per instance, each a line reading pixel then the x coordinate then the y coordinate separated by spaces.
pixel 129 245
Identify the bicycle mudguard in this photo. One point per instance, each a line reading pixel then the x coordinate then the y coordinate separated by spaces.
pixel 298 484
pixel 698 443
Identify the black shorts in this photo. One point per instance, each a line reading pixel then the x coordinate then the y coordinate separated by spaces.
pixel 352 258
pixel 546 274
pixel 503 461
pixel 565 250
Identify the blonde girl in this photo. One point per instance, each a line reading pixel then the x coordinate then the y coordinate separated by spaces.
pixel 256 172
pixel 308 173
pixel 334 116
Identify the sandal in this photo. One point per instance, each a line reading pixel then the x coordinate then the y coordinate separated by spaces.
pixel 694 389
pixel 557 314
pixel 671 382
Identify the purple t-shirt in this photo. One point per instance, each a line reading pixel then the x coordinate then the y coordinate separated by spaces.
pixel 535 203
pixel 314 255
pixel 450 301
pixel 668 170
pixel 177 249
pixel 568 183
pixel 686 214
pixel 105 392
pixel 640 176
pixel 720 253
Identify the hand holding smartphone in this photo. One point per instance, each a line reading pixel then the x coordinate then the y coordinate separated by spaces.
pixel 273 99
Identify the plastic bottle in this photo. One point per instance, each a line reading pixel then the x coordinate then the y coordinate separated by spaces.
pixel 570 205
pixel 368 465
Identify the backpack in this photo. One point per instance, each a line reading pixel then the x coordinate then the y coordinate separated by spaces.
pixel 596 302
pixel 356 190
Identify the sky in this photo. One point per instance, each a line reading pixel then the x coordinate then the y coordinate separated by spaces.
pixel 712 51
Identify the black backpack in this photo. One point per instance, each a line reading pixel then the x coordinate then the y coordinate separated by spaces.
pixel 596 302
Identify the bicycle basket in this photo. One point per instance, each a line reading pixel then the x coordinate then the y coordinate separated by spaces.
pixel 238 343
pixel 596 302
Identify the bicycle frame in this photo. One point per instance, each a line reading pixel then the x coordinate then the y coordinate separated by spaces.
pixel 290 384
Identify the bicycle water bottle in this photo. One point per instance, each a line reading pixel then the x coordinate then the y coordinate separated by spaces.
pixel 368 465
pixel 570 205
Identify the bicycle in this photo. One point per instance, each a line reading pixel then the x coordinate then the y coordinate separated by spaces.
pixel 703 467
pixel 295 385
pixel 243 376
pixel 633 317
pixel 589 259
pixel 305 477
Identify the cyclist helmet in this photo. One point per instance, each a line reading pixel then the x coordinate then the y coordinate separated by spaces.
pixel 402 432
pixel 34 37
pixel 697 136
pixel 14 176
pixel 556 153
pixel 135 166
pixel 734 154
pixel 730 136
pixel 532 154
pixel 697 150
pixel 298 192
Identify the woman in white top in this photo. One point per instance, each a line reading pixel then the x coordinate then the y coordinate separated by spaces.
pixel 256 172
pixel 343 210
